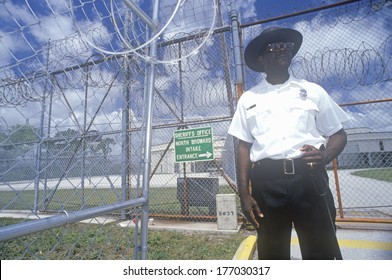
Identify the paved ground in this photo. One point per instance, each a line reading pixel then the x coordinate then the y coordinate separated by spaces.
pixel 358 241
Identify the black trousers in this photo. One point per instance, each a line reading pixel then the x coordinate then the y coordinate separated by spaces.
pixel 298 200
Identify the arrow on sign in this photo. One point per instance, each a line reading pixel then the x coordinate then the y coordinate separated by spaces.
pixel 207 155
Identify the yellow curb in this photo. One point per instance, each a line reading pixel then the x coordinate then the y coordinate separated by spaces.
pixel 248 246
pixel 246 249
pixel 358 244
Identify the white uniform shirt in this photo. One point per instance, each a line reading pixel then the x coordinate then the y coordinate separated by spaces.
pixel 279 119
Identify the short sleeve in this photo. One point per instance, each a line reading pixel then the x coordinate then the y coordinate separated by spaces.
pixel 331 116
pixel 239 126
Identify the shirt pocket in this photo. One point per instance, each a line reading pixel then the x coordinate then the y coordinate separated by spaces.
pixel 302 115
pixel 259 121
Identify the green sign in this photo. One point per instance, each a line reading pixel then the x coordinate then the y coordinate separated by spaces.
pixel 193 144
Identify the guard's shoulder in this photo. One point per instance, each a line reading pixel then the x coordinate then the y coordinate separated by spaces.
pixel 257 89
pixel 312 85
pixel 249 93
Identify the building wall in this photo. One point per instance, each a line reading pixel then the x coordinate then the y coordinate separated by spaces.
pixel 367 149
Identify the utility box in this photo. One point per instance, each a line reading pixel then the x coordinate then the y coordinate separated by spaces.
pixel 226 212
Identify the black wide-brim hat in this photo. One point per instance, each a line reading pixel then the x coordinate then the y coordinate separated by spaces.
pixel 270 35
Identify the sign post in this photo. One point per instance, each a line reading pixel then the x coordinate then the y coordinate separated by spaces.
pixel 193 144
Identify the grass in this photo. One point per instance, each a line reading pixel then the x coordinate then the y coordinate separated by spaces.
pixel 162 200
pixel 109 241
pixel 384 174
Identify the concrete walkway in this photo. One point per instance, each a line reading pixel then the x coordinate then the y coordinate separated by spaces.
pixel 358 241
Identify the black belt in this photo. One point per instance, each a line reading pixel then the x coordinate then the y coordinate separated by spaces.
pixel 282 167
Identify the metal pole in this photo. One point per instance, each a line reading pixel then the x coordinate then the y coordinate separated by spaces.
pixel 239 80
pixel 185 198
pixel 38 154
pixel 138 193
pixel 38 160
pixel 125 138
pixel 22 229
pixel 45 202
pixel 338 194
pixel 125 157
pixel 140 12
pixel 225 57
pixel 148 134
pixel 84 142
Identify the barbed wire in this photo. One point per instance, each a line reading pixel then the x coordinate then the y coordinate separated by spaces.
pixel 365 65
pixel 131 41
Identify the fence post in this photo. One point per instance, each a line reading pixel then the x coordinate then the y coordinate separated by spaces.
pixel 239 80
pixel 338 194
pixel 148 134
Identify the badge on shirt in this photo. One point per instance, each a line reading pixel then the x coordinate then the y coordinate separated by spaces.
pixel 303 93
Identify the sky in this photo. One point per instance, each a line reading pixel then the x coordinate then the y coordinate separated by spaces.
pixel 26 27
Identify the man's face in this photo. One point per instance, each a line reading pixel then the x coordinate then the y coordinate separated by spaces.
pixel 277 55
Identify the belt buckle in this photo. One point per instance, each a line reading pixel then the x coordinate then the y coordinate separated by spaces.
pixel 288 166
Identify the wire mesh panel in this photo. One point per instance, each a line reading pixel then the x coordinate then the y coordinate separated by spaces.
pixel 73 119
pixel 187 92
pixel 66 123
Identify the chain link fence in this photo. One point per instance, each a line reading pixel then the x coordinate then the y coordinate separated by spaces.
pixel 72 122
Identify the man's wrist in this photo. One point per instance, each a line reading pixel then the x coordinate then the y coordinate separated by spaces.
pixel 326 158
pixel 244 192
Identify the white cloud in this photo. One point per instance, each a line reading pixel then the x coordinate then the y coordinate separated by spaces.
pixel 319 34
pixel 58 6
pixel 53 28
pixel 192 16
pixel 247 8
pixel 6 44
pixel 342 55
pixel 25 30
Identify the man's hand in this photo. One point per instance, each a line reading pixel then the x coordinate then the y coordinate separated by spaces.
pixel 250 209
pixel 248 203
pixel 313 157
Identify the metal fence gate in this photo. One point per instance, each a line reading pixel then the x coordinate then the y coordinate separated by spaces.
pixel 72 122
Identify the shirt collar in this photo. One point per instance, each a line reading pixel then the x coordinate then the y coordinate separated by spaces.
pixel 264 86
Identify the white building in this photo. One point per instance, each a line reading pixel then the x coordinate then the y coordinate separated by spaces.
pixel 366 149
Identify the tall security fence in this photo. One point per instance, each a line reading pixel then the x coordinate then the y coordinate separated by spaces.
pixel 74 121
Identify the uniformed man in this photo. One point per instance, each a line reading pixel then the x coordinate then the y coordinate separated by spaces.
pixel 282 125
